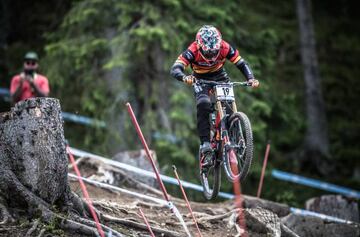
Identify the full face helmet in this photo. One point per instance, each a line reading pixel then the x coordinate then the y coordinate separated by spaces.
pixel 209 40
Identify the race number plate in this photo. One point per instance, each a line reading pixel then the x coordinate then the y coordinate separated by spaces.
pixel 225 92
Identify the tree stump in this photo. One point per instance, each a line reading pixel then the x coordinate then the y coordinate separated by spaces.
pixel 34 167
pixel 33 144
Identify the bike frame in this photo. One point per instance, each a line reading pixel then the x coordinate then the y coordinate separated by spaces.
pixel 221 130
pixel 221 136
pixel 221 143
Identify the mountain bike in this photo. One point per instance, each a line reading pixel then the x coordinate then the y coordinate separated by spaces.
pixel 230 137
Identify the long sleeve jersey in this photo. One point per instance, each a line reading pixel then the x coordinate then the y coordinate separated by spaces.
pixel 209 69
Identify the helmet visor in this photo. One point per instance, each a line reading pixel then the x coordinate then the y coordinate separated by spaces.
pixel 210 54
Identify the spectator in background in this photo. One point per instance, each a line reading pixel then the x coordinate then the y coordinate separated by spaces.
pixel 29 83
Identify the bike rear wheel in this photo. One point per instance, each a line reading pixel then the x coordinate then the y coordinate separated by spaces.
pixel 210 180
pixel 238 155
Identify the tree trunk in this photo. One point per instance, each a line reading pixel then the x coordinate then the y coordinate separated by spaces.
pixel 151 86
pixel 34 167
pixel 162 87
pixel 115 114
pixel 316 140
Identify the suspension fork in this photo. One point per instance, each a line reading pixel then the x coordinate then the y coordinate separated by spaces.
pixel 219 109
pixel 234 108
pixel 222 128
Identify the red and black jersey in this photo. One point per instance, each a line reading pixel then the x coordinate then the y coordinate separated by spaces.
pixel 209 70
pixel 192 56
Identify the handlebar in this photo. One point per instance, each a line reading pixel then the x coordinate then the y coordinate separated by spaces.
pixel 215 83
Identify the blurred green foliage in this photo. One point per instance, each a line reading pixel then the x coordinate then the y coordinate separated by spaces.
pixel 141 41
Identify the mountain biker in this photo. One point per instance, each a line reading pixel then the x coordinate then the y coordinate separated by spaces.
pixel 206 56
pixel 29 84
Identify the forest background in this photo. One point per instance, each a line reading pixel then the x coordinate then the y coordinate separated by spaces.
pixel 98 55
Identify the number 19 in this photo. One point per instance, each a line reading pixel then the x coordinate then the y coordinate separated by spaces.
pixel 226 91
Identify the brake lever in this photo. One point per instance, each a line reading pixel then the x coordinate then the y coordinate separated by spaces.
pixel 197 87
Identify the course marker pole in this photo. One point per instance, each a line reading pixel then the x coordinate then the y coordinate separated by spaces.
pixel 147 150
pixel 315 183
pixel 320 215
pixel 121 190
pixel 146 173
pixel 86 194
pixel 237 192
pixel 263 170
pixel 171 206
pixel 146 222
pixel 186 200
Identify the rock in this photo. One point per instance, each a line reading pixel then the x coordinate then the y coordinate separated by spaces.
pixel 139 160
pixel 286 232
pixel 280 209
pixel 315 227
pixel 262 221
pixel 334 205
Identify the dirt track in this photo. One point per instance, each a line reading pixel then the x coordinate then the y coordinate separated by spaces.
pixel 127 207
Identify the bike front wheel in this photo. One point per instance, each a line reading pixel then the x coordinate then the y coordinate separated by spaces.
pixel 210 180
pixel 238 153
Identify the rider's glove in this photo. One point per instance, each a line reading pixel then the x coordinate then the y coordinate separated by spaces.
pixel 254 83
pixel 190 79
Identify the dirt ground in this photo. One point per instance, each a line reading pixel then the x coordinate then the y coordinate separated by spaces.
pixel 214 219
pixel 127 207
